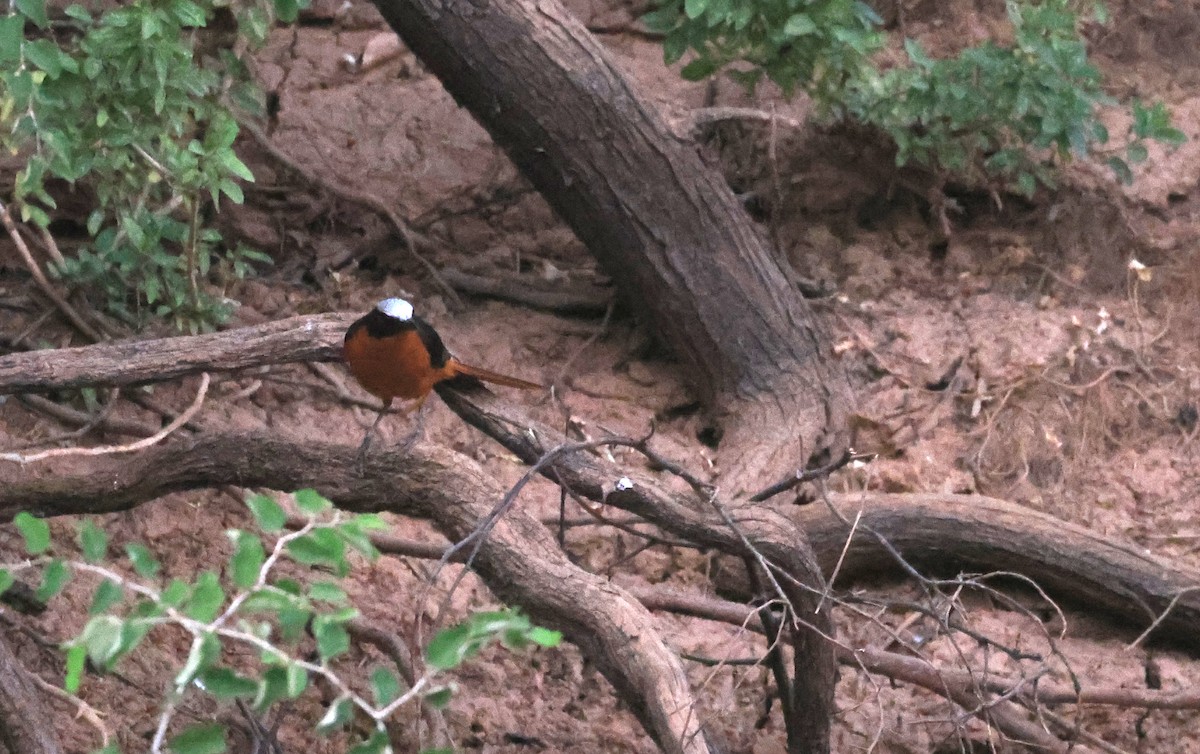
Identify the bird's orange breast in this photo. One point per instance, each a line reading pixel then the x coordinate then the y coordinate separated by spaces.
pixel 396 366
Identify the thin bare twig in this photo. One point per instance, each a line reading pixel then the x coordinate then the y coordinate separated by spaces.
pixel 182 419
pixel 40 277
pixel 93 716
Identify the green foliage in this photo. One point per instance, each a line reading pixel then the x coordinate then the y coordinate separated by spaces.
pixel 451 646
pixel 1003 114
pixel 819 46
pixel 251 606
pixel 127 106
pixel 34 531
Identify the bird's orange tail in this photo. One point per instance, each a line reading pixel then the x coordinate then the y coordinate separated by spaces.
pixel 494 377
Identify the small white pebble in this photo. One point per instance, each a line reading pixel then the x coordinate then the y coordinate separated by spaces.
pixel 624 483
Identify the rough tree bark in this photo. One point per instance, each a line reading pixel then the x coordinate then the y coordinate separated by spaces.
pixel 662 223
pixel 26 727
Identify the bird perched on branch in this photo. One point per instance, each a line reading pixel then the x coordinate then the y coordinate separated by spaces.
pixel 393 353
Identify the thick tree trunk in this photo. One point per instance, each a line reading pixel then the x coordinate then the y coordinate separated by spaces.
pixel 662 223
pixel 672 235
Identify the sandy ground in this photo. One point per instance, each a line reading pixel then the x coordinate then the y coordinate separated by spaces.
pixel 1074 393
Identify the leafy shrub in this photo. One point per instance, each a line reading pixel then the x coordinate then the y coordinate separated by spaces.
pixel 1005 114
pixel 127 106
pixel 251 606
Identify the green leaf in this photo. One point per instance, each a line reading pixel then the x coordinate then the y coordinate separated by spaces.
pixel 35 532
pixel 699 69
pixel 1026 184
pixel 674 46
pixel 440 698
pixel 1170 135
pixel 54 578
pixel 45 55
pixel 693 9
pixel 142 559
pixel 1137 152
pixel 799 25
pixel 271 688
pixel 385 686
pixel 1121 169
pixel 199 739
pixel 231 190
pixel 175 593
pixel 12 33
pixel 247 560
pixel 205 651
pixel 93 541
pixel 336 717
pixel 292 622
pixel 310 502
pixel 102 639
pixel 295 680
pixel 327 591
pixel 287 10
pixel 229 160
pixel 76 662
pixel 332 638
pixel 544 637
pixel 268 601
pixel 662 20
pixel 370 522
pixel 267 513
pixel 35 11
pixel 224 683
pixel 6 580
pixel 108 593
pixel 376 744
pixel 221 132
pixel 353 535
pixel 207 598
pixel 449 647
pixel 188 13
pixel 78 12
pixel 318 547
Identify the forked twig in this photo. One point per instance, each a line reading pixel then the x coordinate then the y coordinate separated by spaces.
pixel 39 277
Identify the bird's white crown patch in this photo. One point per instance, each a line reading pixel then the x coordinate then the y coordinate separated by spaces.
pixel 396 308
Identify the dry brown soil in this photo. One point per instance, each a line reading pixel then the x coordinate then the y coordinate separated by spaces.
pixel 1074 394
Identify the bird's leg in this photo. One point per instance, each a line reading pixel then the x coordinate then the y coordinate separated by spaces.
pixel 366 442
pixel 419 428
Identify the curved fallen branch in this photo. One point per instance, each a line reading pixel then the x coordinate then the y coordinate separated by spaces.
pixel 1077 565
pixel 307 338
pixel 943 531
pixel 519 560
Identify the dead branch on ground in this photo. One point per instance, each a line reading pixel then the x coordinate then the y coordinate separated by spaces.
pixel 133 362
pixel 569 297
pixel 519 561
